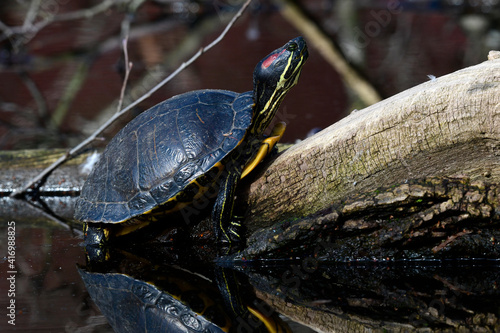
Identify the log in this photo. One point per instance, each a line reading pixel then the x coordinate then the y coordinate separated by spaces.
pixel 444 127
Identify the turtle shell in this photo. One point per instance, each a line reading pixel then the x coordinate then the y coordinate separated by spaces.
pixel 163 156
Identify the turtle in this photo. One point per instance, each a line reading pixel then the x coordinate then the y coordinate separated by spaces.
pixel 185 149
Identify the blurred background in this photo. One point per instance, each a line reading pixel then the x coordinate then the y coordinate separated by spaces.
pixel 62 64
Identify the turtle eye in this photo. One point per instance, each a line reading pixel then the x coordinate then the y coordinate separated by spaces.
pixel 292 47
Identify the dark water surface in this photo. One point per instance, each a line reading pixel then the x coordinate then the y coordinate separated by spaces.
pixel 48 292
pixel 43 277
pixel 130 290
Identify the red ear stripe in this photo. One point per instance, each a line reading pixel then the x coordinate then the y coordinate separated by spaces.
pixel 266 63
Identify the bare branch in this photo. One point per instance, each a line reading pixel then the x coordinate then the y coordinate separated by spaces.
pixel 329 51
pixel 450 240
pixel 32 13
pixel 110 121
pixel 128 67
pixel 188 62
pixel 39 209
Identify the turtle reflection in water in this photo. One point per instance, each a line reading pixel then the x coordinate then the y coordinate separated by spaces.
pixel 134 305
pixel 181 149
pixel 136 295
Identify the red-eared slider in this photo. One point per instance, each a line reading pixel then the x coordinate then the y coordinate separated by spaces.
pixel 173 153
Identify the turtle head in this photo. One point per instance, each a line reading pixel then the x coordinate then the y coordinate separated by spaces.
pixel 273 77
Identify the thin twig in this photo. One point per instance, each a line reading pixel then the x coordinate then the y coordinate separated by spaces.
pixel 450 240
pixel 31 14
pixel 295 16
pixel 94 135
pixel 186 63
pixel 128 68
pixel 47 214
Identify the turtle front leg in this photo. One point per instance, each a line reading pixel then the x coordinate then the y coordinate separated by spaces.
pixel 94 234
pixel 94 241
pixel 226 230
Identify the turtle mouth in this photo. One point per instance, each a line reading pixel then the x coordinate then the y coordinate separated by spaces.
pixel 299 58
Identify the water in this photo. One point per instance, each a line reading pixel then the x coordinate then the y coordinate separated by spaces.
pixel 50 294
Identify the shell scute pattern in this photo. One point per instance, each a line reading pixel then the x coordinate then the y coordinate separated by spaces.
pixel 140 202
pixel 159 154
pixel 114 211
pixel 162 191
pixel 243 119
pixel 185 173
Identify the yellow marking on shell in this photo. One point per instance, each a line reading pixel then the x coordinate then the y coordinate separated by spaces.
pixel 266 147
pixel 127 229
pixel 273 324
